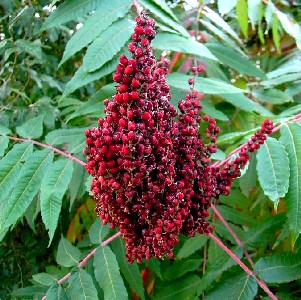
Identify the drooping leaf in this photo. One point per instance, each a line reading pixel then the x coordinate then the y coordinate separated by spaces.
pixel 98 231
pixel 67 254
pixel 235 60
pixel 218 20
pixel 273 169
pixel 281 79
pixel 33 128
pixel 240 287
pixel 107 274
pixel 70 10
pixel 56 292
pixel 81 286
pixel 210 110
pixel 26 188
pixel 272 96
pixel 253 11
pixel 165 7
pixel 191 245
pixel 164 16
pixel 276 36
pixel 53 188
pixel 242 16
pixel 279 268
pixel 225 6
pixel 187 288
pixel 293 29
pixel 4 141
pixel 44 279
pixel 130 272
pixel 101 19
pixel 181 267
pixel 175 42
pixel 292 66
pixel 204 85
pixel 291 139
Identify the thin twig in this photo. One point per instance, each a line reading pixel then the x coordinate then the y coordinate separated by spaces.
pixel 233 233
pixel 87 258
pixel 68 155
pixel 261 283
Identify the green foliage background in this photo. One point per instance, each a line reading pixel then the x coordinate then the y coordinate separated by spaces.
pixel 54 77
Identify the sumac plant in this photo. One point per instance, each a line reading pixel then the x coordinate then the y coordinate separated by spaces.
pixel 131 173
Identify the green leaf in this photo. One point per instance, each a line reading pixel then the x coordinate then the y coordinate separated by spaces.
pixel 4 130
pixel 107 274
pixel 246 104
pixel 235 60
pixel 209 109
pixel 281 79
pixel 293 66
pixel 253 11
pixel 273 169
pixel 106 45
pixel 81 286
pixel 231 215
pixel 279 268
pixel 70 10
pixel 175 42
pixel 31 48
pixel 44 279
pixel 10 167
pixel 165 7
pixel 191 245
pixel 261 234
pixel 130 272
pixel 101 19
pixel 26 188
pixel 276 37
pixel 291 139
pixel 181 267
pixel 204 85
pixel 30 292
pixel 164 16
pixel 98 231
pixel 53 188
pixel 33 128
pixel 95 103
pixel 82 77
pixel 187 288
pixel 216 18
pixel 64 136
pixel 273 96
pixel 56 292
pixel 293 29
pixel 225 6
pixel 4 141
pixel 67 254
pixel 242 16
pixel 240 287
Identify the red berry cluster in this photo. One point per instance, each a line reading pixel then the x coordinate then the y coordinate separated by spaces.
pixel 151 171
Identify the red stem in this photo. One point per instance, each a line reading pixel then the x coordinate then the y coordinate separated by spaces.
pixel 68 155
pixel 233 233
pixel 261 283
pixel 86 259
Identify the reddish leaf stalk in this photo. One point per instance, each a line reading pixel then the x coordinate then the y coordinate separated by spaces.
pixel 261 283
pixel 233 233
pixel 68 155
pixel 87 258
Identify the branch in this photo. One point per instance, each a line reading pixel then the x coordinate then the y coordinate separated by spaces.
pixel 87 258
pixel 68 155
pixel 295 119
pixel 261 283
